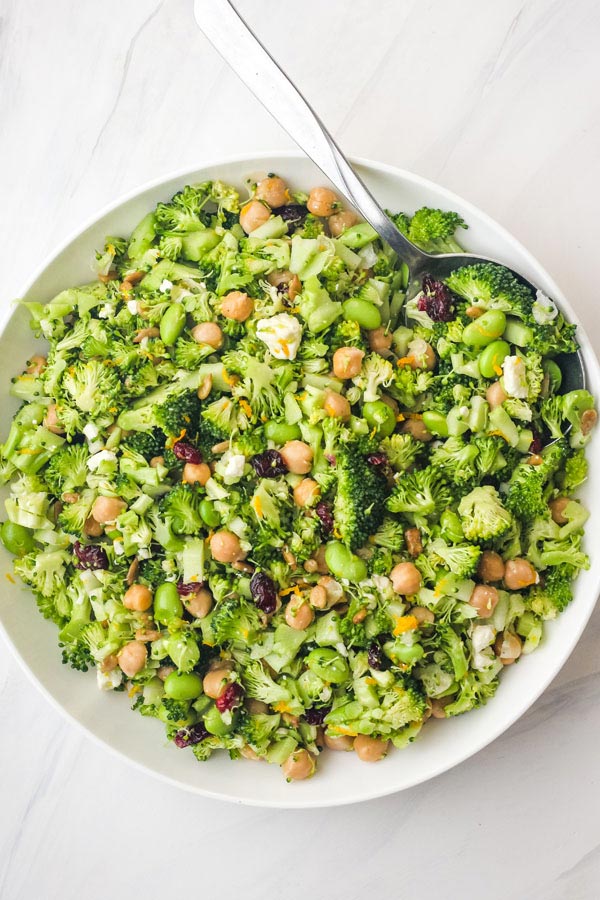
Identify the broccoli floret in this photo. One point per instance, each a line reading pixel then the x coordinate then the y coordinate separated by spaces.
pixel 422 493
pixel 474 691
pixel 525 496
pixel 554 593
pixel 312 228
pixel 493 287
pixel 262 385
pixel 389 535
pixel 77 655
pixel 457 459
pixel 258 730
pixel 45 572
pixel 574 473
pixel 94 387
pixel 433 230
pixel 460 559
pixel 190 354
pixel 67 468
pixel 551 545
pixel 73 516
pixel 446 389
pixel 490 457
pixel 261 686
pixel 359 504
pixel 219 419
pixel 175 710
pixel 482 514
pixel 147 443
pixel 345 334
pixel 409 385
pixel 401 450
pixel 375 374
pixel 235 619
pixel 151 572
pixel 179 413
pixel 181 509
pixel 354 634
pixel 398 706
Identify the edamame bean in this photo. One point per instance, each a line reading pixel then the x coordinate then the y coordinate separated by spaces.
pixel 213 722
pixel 451 526
pixel 407 654
pixel 380 416
pixel 167 604
pixel 343 563
pixel 485 329
pixel 172 323
pixel 553 375
pixel 180 686
pixel 281 432
pixel 366 314
pixel 209 514
pixel 16 538
pixel 328 665
pixel 436 423
pixel 491 359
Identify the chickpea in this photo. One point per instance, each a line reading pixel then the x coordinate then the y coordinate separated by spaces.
pixel 298 766
pixel 107 509
pixel 557 509
pixel 319 558
pixel 248 753
pixel 306 492
pixel 438 706
pixel 380 340
pixel 414 544
pixel 198 604
pixel 237 305
pixel 299 613
pixel 406 578
pixel 109 663
pixel 92 528
pixel 336 406
pixel 370 749
pixel 518 574
pixel 588 420
pixel 215 682
pixel 491 566
pixel 132 658
pixel 496 395
pixel 225 547
pixel 196 473
pixel 297 456
pixel 280 278
pixel 343 742
pixel 417 429
pixel 424 359
pixel 51 422
pixel 423 615
pixel 208 333
pixel 484 599
pixel 507 647
pixel 138 597
pixel 147 634
pixel 256 707
pixel 253 215
pixel 318 597
pixel 347 362
pixel 157 461
pixel 322 202
pixel 163 672
pixel 205 387
pixel 339 222
pixel 273 190
pixel 36 365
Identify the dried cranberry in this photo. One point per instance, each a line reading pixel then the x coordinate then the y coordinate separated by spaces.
pixel 293 213
pixel 316 716
pixel 377 459
pixel 376 658
pixel 187 452
pixel 325 514
pixel 91 556
pixel 192 587
pixel 185 737
pixel 230 698
pixel 264 592
pixel 437 300
pixel 536 445
pixel 268 464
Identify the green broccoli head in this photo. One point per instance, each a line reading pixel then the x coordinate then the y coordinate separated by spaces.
pixel 67 468
pixel 94 387
pixel 554 593
pixel 181 509
pixel 483 517
pixel 493 287
pixel 424 492
pixel 179 413
pixel 474 691
pixel 460 559
pixel 402 450
pixel 235 620
pixel 457 459
pixel 359 504
pixel 147 443
pixel 433 230
pixel 526 498
pixel 574 472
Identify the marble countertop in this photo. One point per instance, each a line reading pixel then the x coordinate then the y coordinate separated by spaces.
pixel 494 101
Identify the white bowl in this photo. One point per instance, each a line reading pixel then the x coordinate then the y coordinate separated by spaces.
pixel 341 778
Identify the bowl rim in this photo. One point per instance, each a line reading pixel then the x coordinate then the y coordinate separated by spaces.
pixel 590 361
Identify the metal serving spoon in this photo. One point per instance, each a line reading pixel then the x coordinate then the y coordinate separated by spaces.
pixel 241 49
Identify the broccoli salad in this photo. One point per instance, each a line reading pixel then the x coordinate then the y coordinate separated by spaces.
pixel 282 507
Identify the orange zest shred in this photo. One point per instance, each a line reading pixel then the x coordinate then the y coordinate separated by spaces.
pixel 498 370
pixel 173 440
pixel 404 623
pixel 257 507
pixel 229 379
pixel 291 590
pixel 246 407
pixel 9 577
pixel 343 729
pixel 404 361
pixel 282 707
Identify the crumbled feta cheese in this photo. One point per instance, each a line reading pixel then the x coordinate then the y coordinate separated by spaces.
pixel 231 466
pixel 91 431
pixel 417 349
pixel 132 307
pixel 382 583
pixel 544 309
pixel 464 411
pixel 367 255
pixel 165 285
pixel 118 548
pixel 95 461
pixel 515 377
pixel 282 335
pixel 108 681
pixel 482 636
pixel 106 311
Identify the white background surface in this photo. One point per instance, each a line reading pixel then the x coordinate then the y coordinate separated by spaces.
pixel 497 101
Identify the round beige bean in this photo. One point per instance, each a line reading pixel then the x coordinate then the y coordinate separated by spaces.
pixel 423 615
pixel 205 387
pixel 336 406
pixel 280 277
pixel 208 333
pixel 417 429
pixel 132 658
pixel 163 672
pixel 425 359
pixel 438 706
pixel 215 682
pixel 370 749
pixel 299 613
pixel 491 566
pixel 484 599
pixel 138 597
pixel 248 753
pixel 196 473
pixel 333 590
pixel 198 604
pixel 342 742
pixel 297 456
pixel 474 312
pixel 339 222
pixel 50 420
pixel 306 492
pixel 380 340
pixel 107 509
pixel 557 509
pixel 322 202
pixel 109 663
pixel 347 362
pixel 253 215
pixel 496 395
pixel 237 305
pixel 298 766
pixel 319 558
pixel 518 574
pixel 225 547
pixel 92 528
pixel 273 190
pixel 406 578
pixel 508 647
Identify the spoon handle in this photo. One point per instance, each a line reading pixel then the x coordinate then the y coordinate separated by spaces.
pixel 242 50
